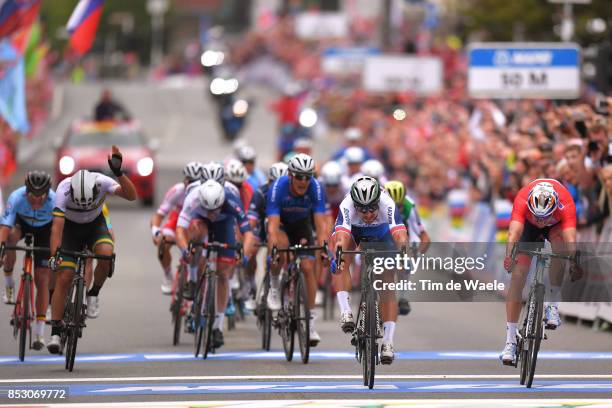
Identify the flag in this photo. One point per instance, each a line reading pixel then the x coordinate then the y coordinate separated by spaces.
pixel 83 24
pixel 17 14
pixel 12 88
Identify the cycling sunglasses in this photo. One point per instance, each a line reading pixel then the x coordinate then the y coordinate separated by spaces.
pixel 367 209
pixel 301 176
pixel 37 194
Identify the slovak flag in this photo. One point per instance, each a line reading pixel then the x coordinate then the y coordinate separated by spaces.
pixel 83 24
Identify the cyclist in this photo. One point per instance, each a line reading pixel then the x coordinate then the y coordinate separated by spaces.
pixel 78 220
pixel 416 230
pixel 367 215
pixel 353 138
pixel 257 212
pixel 375 169
pixel 171 207
pixel 292 203
pixel 236 174
pixel 255 177
pixel 28 211
pixel 543 209
pixel 214 212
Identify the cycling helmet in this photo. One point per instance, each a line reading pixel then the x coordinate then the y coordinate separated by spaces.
pixel 542 200
pixel 365 192
pixel 352 134
pixel 235 171
pixel 83 188
pixel 331 173
pixel 213 171
pixel 396 190
pixel 373 168
pixel 37 182
pixel 193 171
pixel 302 164
pixel 277 170
pixel 246 153
pixel 211 195
pixel 354 154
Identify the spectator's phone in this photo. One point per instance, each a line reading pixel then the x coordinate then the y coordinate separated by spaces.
pixel 581 128
pixel 601 104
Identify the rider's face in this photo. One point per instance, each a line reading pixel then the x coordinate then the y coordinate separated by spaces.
pixel 369 217
pixel 36 201
pixel 300 183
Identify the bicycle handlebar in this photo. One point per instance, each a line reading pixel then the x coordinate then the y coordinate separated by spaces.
pixel 299 248
pixel 4 248
pixel 216 246
pixel 85 255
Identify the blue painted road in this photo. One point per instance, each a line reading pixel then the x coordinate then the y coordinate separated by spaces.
pixel 246 387
pixel 278 355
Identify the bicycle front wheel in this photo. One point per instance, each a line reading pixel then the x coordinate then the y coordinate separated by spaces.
pixel 287 326
pixel 75 324
pixel 24 316
pixel 368 359
pixel 209 315
pixel 198 319
pixel 537 330
pixel 264 315
pixel 302 318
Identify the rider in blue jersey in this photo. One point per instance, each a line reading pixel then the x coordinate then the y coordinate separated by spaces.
pixel 28 211
pixel 292 203
pixel 213 212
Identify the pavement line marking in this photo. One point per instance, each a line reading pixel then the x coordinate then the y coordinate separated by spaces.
pixel 550 402
pixel 303 377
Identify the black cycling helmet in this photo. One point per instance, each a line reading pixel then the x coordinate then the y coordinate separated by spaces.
pixel 38 182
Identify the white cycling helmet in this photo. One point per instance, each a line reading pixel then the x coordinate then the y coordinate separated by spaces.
pixel 354 154
pixel 193 171
pixel 543 200
pixel 302 164
pixel 211 195
pixel 277 170
pixel 246 153
pixel 373 168
pixel 365 191
pixel 213 171
pixel 352 134
pixel 331 173
pixel 235 171
pixel 83 188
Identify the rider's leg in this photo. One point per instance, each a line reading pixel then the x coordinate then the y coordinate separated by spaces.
pixel 388 308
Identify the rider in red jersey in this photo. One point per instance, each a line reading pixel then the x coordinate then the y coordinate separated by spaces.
pixel 543 209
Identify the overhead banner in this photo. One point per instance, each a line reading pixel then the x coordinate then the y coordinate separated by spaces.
pixel 398 73
pixel 524 70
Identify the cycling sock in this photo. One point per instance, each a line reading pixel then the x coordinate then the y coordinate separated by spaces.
pixel 218 324
pixel 193 273
pixel 275 281
pixel 56 329
pixel 8 280
pixel 388 332
pixel 554 295
pixel 511 332
pixel 95 290
pixel 343 301
pixel 40 325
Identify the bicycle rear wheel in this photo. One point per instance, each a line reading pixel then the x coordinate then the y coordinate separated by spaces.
pixel 537 326
pixel 302 317
pixel 209 315
pixel 177 306
pixel 264 315
pixel 287 326
pixel 24 315
pixel 368 359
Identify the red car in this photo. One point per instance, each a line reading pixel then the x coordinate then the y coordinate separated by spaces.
pixel 87 145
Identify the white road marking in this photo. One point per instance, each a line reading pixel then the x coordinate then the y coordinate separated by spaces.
pixel 430 403
pixel 304 377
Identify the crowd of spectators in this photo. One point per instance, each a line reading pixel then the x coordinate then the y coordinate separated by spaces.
pixel 436 144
